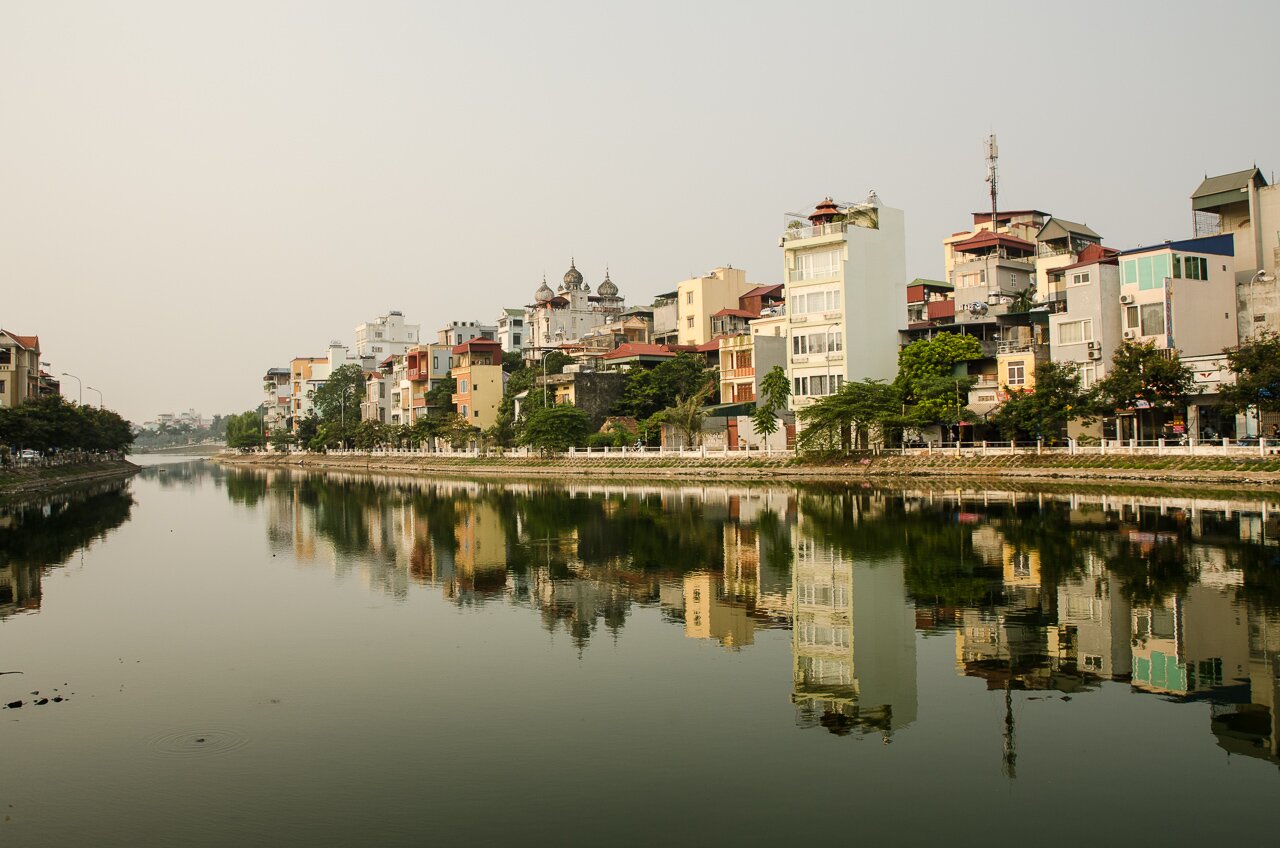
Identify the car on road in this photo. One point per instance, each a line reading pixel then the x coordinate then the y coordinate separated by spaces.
pixel 29 454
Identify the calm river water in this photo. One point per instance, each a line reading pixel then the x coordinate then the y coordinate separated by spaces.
pixel 252 658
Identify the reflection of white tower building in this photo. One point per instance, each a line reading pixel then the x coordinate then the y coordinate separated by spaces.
pixel 853 646
pixel 566 314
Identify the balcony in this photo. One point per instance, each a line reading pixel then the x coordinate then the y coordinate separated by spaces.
pixel 1015 346
pixel 818 231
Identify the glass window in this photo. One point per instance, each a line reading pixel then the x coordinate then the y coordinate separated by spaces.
pixel 1177 266
pixel 689 321
pixel 817 264
pixel 1081 279
pixel 1017 372
pixel 1129 269
pixel 818 384
pixel 1153 319
pixel 688 297
pixel 1075 332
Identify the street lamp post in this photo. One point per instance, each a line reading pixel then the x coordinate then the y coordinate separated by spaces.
pixel 545 353
pixel 99 391
pixel 79 386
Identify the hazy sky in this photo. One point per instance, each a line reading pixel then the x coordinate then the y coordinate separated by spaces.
pixel 193 192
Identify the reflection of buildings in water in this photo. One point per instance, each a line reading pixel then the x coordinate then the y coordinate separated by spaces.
pixel 19 589
pixel 1094 624
pixel 853 642
pixel 480 560
pixel 709 613
pixel 1253 729
pixel 1190 643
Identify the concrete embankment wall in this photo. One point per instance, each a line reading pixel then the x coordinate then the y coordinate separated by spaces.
pixel 19 482
pixel 885 468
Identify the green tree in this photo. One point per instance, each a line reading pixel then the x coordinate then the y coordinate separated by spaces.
pixel 1142 376
pixel 338 401
pixel 245 431
pixel 555 428
pixel 927 381
pixel 775 389
pixel 1045 411
pixel 281 439
pixel 1256 364
pixel 686 415
pixel 308 426
pixel 852 416
pixel 369 435
pixel 647 391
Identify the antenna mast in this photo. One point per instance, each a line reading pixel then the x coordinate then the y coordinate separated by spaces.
pixel 993 154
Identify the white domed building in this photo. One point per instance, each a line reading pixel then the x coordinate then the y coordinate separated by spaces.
pixel 560 316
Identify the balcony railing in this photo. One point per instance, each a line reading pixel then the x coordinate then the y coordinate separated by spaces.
pixel 1015 346
pixel 816 231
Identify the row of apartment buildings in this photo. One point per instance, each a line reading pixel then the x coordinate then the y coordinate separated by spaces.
pixel 1030 286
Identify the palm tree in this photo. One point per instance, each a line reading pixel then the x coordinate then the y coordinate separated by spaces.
pixel 686 415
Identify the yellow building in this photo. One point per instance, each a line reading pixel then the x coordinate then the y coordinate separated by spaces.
pixel 477 370
pixel 699 298
pixel 19 368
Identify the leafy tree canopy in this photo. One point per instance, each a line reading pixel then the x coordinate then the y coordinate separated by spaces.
pixel 1256 364
pixel 555 428
pixel 1045 411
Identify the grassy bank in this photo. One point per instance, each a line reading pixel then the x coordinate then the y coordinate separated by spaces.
pixel 1217 471
pixel 19 482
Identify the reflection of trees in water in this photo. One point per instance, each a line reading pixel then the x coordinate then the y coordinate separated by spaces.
pixel 46 533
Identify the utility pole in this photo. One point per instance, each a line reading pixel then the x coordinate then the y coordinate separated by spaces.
pixel 993 154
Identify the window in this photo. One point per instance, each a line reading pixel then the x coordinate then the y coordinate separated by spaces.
pixel 1153 319
pixel 1 387
pixel 1081 279
pixel 817 265
pixel 515 339
pixel 435 363
pixel 688 297
pixel 377 348
pixel 818 384
pixel 1017 372
pixel 1131 317
pixel 377 334
pixel 476 414
pixel 464 410
pixel 462 387
pixel 688 322
pixel 1177 266
pixel 1195 267
pixel 6 356
pixel 1075 332
pixel 1088 374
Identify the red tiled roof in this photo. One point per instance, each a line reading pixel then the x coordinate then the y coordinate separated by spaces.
pixel 28 342
pixel 1092 255
pixel 740 313
pixel 636 349
pixel 986 239
pixel 765 291
pixel 481 344
pixel 714 344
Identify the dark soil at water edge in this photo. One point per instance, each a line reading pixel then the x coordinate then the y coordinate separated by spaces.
pixel 19 482
pixel 1218 472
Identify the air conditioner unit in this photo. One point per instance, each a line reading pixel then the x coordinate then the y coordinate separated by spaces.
pixel 1094 353
pixel 1126 299
pixel 1131 334
pixel 1095 345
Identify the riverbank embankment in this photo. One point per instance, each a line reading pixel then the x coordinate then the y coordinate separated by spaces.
pixel 20 481
pixel 1215 471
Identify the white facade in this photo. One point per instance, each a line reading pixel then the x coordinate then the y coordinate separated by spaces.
pixel 457 332
pixel 846 286
pixel 1088 332
pixel 569 312
pixel 510 330
pixel 386 335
